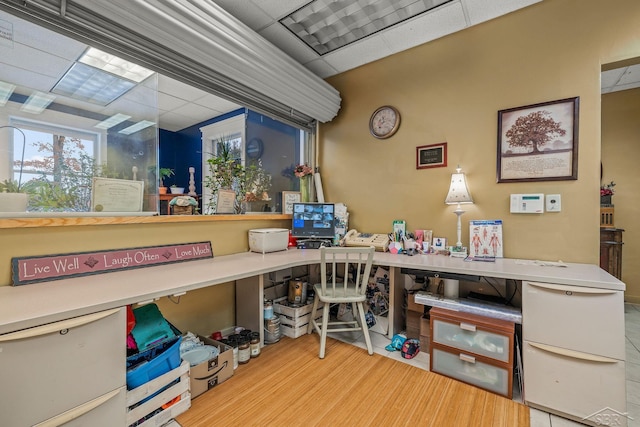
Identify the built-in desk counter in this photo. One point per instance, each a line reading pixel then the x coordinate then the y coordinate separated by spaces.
pixel 36 304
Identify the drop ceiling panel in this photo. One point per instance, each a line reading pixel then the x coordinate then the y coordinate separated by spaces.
pixel 179 89
pixel 321 68
pixel 26 78
pixel 278 9
pixel 246 12
pixel 196 112
pixel 218 104
pixel 356 54
pixel 278 35
pixel 611 77
pixel 630 76
pixel 445 20
pixel 483 10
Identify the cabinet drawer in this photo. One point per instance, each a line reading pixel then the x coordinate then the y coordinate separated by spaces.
pixel 468 369
pixel 468 338
pixel 577 384
pixel 487 337
pixel 588 320
pixel 50 369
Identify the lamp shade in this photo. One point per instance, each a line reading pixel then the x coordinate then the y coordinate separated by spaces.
pixel 458 190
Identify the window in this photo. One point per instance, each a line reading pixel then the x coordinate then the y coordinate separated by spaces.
pixel 268 149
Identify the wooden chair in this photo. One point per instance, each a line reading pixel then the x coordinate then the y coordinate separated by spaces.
pixel 334 290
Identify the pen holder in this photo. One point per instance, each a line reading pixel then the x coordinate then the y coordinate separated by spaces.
pixel 395 247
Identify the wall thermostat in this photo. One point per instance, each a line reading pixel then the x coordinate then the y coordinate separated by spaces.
pixel 527 203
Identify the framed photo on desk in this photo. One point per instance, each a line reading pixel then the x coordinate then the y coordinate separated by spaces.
pixel 226 203
pixel 288 199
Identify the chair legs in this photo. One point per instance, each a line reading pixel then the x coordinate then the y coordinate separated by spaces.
pixel 359 317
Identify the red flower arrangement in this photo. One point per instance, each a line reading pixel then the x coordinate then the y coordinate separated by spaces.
pixel 303 170
pixel 607 190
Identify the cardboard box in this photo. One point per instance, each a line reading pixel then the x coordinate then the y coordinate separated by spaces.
pixel 209 374
pixel 413 324
pixel 412 305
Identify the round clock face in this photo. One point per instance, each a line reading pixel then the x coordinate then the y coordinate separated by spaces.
pixel 255 148
pixel 384 122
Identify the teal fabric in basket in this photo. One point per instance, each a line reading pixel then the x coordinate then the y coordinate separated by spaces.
pixel 151 327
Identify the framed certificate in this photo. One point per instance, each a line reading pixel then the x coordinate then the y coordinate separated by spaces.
pixel 226 203
pixel 288 199
pixel 116 195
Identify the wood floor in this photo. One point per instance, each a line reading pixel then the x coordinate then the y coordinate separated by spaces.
pixel 288 385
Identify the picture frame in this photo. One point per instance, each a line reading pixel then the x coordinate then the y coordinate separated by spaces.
pixel 431 156
pixel 226 202
pixel 288 199
pixel 553 156
pixel 439 243
pixel 116 195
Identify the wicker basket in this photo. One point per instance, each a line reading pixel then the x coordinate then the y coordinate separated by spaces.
pixel 182 210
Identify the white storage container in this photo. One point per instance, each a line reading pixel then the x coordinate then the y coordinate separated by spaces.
pixel 265 240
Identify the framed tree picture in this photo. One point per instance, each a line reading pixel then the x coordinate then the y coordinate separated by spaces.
pixel 539 142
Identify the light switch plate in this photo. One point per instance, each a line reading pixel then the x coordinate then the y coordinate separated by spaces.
pixel 553 202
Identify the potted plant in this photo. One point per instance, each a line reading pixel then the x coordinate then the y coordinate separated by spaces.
pixel 12 197
pixel 162 174
pixel 606 191
pixel 226 172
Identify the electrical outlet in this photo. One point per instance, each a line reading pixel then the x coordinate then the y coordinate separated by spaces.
pixel 553 202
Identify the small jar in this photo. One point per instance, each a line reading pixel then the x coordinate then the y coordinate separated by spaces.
pixel 254 344
pixel 268 309
pixel 244 350
pixel 234 345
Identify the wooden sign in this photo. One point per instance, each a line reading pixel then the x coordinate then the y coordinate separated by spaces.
pixel 55 267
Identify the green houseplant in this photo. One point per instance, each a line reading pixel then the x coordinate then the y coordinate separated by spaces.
pixel 250 183
pixel 164 173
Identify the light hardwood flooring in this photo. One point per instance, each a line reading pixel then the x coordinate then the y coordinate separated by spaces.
pixel 288 385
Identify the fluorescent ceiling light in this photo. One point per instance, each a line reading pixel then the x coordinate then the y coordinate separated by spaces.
pixel 114 65
pixel 138 126
pixel 37 102
pixel 327 25
pixel 90 84
pixel 6 89
pixel 112 121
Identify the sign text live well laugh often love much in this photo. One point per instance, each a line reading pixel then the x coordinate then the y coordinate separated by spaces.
pixel 53 267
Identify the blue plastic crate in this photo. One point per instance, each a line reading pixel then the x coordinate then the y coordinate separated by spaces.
pixel 152 363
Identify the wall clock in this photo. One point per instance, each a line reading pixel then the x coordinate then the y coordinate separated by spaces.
pixel 384 122
pixel 255 148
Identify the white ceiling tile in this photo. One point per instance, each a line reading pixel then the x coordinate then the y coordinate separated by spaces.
pixel 278 35
pixel 26 79
pixel 631 75
pixel 277 9
pixel 174 122
pixel 218 104
pixel 361 52
pixel 246 12
pixel 178 89
pixel 482 10
pixel 196 112
pixel 320 68
pixel 610 78
pixel 426 27
pixel 620 87
pixel 168 102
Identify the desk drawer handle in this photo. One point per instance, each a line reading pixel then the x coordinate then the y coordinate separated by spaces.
pixel 467 327
pixel 467 358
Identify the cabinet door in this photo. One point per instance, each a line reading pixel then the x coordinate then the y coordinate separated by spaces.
pixel 583 386
pixel 53 368
pixel 588 320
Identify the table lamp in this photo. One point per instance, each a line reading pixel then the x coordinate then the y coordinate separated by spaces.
pixel 458 194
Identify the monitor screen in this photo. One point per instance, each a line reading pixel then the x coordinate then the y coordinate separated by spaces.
pixel 314 220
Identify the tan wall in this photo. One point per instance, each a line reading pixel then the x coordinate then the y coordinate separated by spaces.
pixel 620 154
pixel 451 90
pixel 202 311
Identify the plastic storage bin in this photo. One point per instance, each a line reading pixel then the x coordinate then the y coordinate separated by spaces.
pixel 152 363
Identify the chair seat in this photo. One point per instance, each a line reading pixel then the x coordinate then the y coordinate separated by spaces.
pixel 340 295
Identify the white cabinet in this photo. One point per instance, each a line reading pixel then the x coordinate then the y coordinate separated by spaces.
pixel 68 371
pixel 573 351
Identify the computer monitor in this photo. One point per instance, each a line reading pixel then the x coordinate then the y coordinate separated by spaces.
pixel 313 220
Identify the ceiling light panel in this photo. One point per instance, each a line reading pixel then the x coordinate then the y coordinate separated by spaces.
pixel 91 85
pixel 114 65
pixel 6 90
pixel 137 127
pixel 327 25
pixel 112 121
pixel 37 102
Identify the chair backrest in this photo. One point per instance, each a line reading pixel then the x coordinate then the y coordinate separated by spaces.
pixel 335 260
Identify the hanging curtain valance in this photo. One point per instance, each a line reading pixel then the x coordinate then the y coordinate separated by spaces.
pixel 196 42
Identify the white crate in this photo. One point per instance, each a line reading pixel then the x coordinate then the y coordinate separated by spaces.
pixel 297 322
pixel 282 307
pixel 149 388
pixel 293 332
